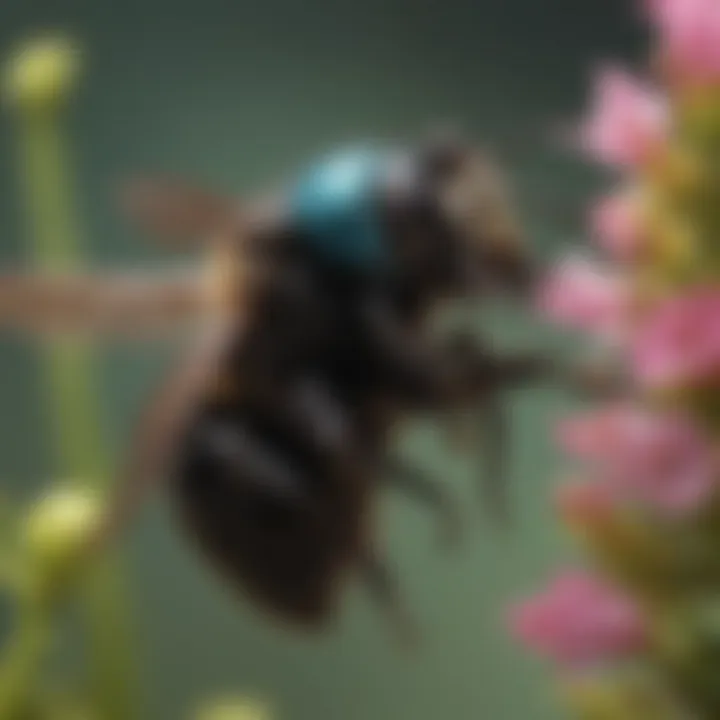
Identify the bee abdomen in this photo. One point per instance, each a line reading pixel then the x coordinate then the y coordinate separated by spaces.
pixel 268 516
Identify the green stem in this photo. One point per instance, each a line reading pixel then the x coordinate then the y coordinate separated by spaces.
pixel 24 655
pixel 111 667
pixel 71 388
pixel 68 363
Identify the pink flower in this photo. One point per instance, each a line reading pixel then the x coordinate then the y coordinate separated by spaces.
pixel 580 620
pixel 657 459
pixel 616 223
pixel 690 37
pixel 584 296
pixel 627 122
pixel 679 343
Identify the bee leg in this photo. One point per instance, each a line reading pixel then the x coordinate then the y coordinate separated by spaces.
pixel 494 375
pixel 481 377
pixel 383 588
pixel 594 380
pixel 460 373
pixel 513 371
pixel 414 482
pixel 494 441
pixel 504 373
pixel 485 377
pixel 598 380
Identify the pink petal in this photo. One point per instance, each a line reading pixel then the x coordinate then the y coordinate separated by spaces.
pixel 690 36
pixel 661 460
pixel 593 434
pixel 582 296
pixel 616 222
pixel 579 620
pixel 627 121
pixel 679 343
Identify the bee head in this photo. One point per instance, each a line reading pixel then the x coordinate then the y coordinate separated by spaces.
pixel 436 215
pixel 472 201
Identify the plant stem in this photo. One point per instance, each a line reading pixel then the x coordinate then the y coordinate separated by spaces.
pixel 69 372
pixel 56 248
pixel 24 655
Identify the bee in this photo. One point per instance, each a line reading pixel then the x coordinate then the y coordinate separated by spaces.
pixel 310 343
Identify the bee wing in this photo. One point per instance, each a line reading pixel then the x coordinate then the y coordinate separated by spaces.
pixel 164 420
pixel 175 212
pixel 494 436
pixel 128 305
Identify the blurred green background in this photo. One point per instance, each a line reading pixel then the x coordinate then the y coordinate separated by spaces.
pixel 234 93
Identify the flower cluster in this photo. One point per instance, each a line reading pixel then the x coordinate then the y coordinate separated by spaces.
pixel 649 463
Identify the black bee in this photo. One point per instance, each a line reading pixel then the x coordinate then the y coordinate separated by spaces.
pixel 315 342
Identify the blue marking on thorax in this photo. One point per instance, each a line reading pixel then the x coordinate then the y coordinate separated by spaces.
pixel 335 207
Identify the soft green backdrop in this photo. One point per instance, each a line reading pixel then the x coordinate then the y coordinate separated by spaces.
pixel 233 92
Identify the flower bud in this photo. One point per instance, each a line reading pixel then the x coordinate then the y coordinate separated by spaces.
pixel 231 708
pixel 41 73
pixel 56 535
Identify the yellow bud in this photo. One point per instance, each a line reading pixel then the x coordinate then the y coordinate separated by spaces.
pixel 624 694
pixel 57 533
pixel 234 709
pixel 41 74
